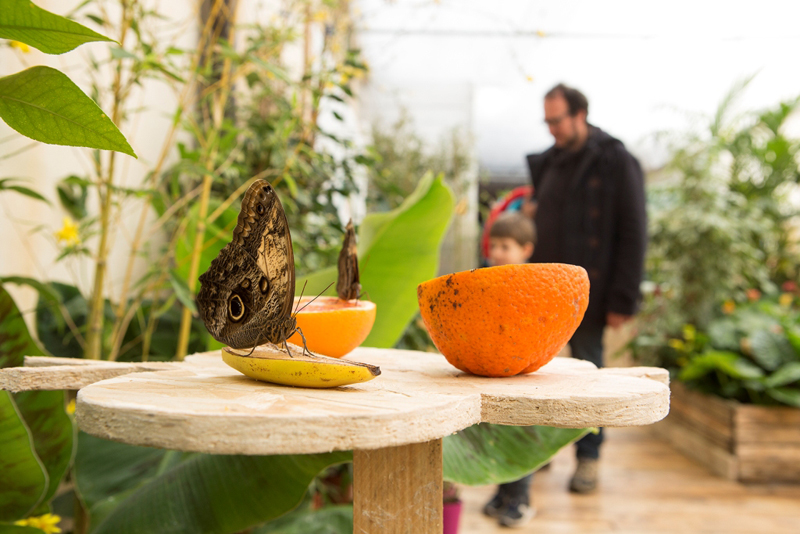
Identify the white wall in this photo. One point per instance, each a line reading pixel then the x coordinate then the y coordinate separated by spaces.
pixel 636 61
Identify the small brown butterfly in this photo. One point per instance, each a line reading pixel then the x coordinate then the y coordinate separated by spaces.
pixel 347 285
pixel 247 293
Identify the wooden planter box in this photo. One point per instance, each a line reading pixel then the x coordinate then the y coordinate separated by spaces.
pixel 737 441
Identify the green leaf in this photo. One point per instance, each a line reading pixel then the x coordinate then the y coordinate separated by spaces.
pixel 15 340
pixel 397 250
pixel 329 520
pixel 494 454
pixel 787 374
pixel 214 493
pixel 72 192
pixel 52 432
pixel 729 363
pixel 106 471
pixel 20 189
pixel 182 292
pixel 22 21
pixel 788 396
pixel 44 104
pixel 770 350
pixel 23 478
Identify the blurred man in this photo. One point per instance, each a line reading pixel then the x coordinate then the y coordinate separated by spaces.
pixel 589 208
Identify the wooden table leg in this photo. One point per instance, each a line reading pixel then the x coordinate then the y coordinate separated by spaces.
pixel 398 490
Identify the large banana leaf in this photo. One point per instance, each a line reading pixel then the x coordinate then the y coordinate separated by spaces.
pixel 397 250
pixel 23 478
pixel 52 432
pixel 494 454
pixel 329 520
pixel 15 340
pixel 42 412
pixel 140 490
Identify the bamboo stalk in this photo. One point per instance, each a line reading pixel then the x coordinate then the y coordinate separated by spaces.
pixel 94 334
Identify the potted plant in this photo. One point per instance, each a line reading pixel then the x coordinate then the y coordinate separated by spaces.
pixel 721 302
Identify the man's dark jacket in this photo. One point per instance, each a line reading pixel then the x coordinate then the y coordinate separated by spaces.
pixel 600 222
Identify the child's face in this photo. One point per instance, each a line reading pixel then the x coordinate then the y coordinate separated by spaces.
pixel 506 251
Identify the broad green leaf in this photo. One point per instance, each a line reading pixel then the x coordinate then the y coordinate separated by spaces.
pixel 23 478
pixel 787 374
pixel 45 105
pixel 218 494
pixel 770 350
pixel 397 251
pixel 329 520
pixel 52 432
pixel 106 471
pixel 22 21
pixel 729 363
pixel 494 454
pixel 788 396
pixel 6 184
pixel 15 340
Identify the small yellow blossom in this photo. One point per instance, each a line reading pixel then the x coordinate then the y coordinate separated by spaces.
pixel 68 233
pixel 320 16
pixel 22 47
pixel 541 33
pixel 48 523
pixel 529 78
pixel 786 299
pixel 270 75
pixel 71 407
pixel 728 307
pixel 676 344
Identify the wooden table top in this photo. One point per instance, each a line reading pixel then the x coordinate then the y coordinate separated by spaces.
pixel 203 405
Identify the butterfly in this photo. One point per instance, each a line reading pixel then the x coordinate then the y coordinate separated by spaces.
pixel 247 293
pixel 347 285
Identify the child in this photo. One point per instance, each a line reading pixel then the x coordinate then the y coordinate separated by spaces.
pixel 511 240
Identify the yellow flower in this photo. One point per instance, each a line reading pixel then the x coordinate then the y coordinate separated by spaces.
pixel 540 33
pixel 529 78
pixel 22 47
pixel 320 16
pixel 786 299
pixel 71 407
pixel 728 307
pixel 676 344
pixel 68 233
pixel 48 523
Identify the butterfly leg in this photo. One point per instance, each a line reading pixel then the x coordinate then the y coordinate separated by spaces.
pixel 286 346
pixel 305 345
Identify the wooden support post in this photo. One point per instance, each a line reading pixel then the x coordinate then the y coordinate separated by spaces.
pixel 398 490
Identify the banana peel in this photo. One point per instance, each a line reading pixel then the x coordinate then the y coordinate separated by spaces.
pixel 271 363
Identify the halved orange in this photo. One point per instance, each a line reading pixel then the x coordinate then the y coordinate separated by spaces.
pixel 333 327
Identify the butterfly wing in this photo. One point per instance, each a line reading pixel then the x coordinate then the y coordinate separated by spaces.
pixel 347 284
pixel 247 293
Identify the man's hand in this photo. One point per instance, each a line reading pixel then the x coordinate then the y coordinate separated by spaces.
pixel 615 320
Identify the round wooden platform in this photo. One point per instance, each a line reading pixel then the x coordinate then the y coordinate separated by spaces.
pixel 205 406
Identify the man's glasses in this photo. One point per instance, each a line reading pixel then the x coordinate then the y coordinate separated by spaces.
pixel 557 120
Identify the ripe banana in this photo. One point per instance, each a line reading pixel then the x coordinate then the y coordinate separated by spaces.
pixel 271 364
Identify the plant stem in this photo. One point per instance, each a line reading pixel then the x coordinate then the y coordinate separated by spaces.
pixel 94 335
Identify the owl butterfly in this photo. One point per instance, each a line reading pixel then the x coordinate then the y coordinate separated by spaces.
pixel 246 295
pixel 347 285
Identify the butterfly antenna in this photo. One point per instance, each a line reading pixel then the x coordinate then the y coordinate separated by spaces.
pixel 301 296
pixel 315 298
